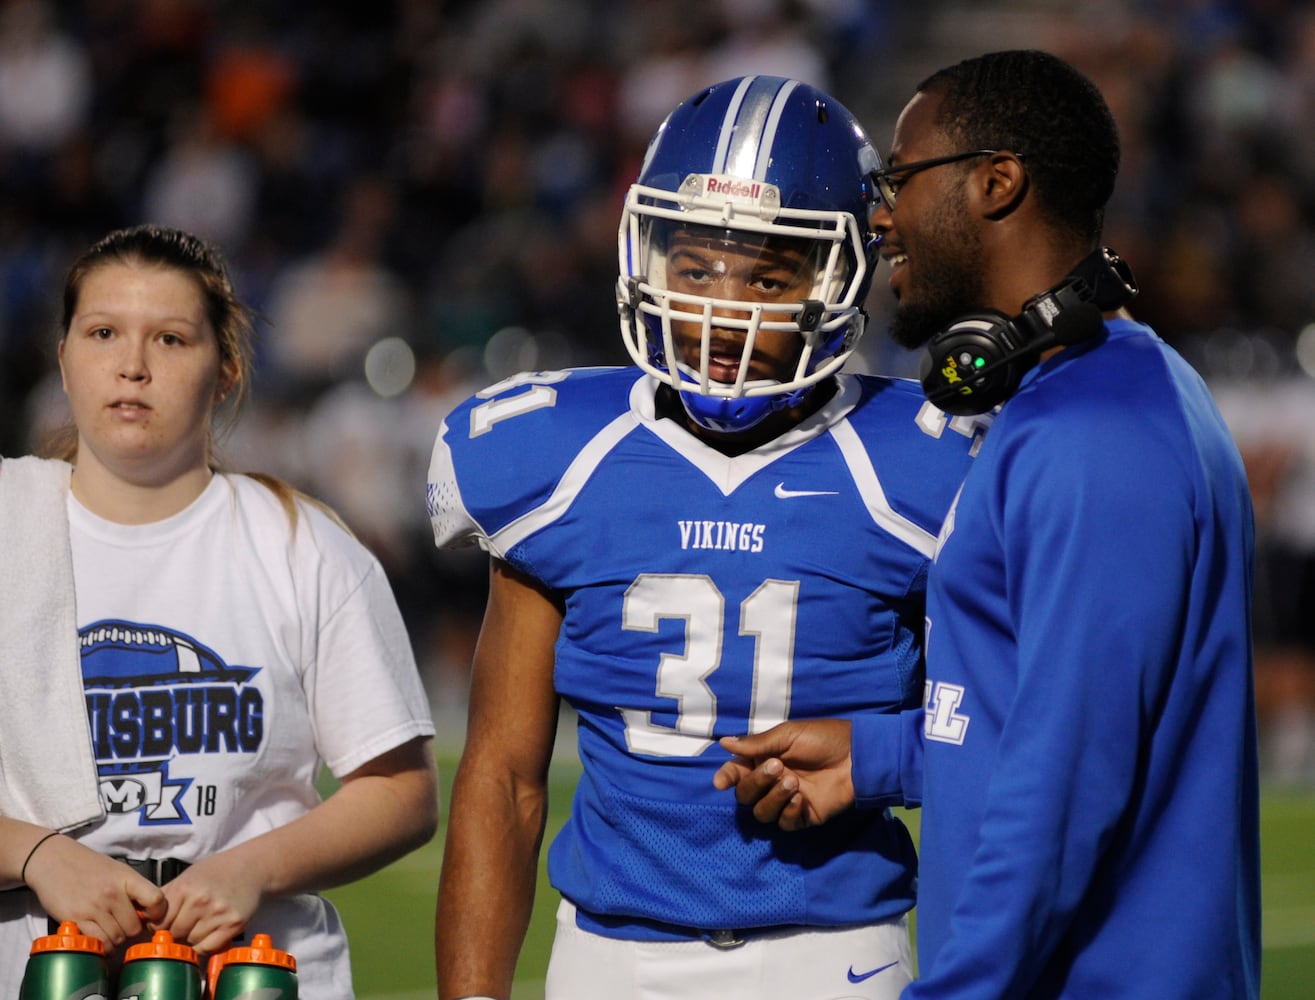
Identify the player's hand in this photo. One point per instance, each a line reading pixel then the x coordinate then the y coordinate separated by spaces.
pixel 796 774
pixel 104 897
pixel 211 902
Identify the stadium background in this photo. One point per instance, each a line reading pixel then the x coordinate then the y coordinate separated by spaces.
pixel 420 197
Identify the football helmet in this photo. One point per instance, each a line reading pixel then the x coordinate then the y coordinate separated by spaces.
pixel 764 163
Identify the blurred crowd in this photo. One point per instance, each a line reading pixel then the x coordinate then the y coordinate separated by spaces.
pixel 421 197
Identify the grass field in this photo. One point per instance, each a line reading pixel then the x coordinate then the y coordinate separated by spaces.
pixel 390 915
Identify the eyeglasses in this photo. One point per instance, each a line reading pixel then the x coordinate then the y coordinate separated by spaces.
pixel 889 180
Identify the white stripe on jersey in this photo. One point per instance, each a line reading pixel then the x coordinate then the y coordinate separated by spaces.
pixel 569 487
pixel 874 497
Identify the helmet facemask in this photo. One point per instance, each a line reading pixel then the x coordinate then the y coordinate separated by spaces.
pixel 715 272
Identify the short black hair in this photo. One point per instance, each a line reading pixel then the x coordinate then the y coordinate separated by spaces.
pixel 1037 105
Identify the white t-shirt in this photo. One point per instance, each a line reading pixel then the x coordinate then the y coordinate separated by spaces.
pixel 225 657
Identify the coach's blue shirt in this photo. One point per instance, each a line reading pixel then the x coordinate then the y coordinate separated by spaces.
pixel 1090 802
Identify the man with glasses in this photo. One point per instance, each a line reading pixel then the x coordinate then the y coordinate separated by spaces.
pixel 1086 753
pixel 890 179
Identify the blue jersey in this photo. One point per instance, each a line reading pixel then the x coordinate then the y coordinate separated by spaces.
pixel 1090 810
pixel 707 596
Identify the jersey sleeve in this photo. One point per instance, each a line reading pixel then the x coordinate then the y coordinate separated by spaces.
pixel 506 451
pixel 452 524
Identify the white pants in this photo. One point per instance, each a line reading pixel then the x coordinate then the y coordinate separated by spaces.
pixel 848 963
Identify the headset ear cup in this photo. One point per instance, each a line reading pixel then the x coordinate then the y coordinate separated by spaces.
pixel 978 362
pixel 981 341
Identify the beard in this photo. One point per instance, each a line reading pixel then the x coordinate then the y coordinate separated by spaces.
pixel 913 326
pixel 948 280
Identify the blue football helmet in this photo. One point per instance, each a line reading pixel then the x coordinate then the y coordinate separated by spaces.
pixel 767 163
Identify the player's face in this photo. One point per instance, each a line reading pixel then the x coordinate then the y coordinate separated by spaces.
pixel 141 370
pixel 934 251
pixel 714 264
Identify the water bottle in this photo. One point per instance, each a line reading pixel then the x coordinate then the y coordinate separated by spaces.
pixel 160 969
pixel 66 965
pixel 258 972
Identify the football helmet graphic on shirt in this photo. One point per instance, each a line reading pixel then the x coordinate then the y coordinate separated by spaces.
pixel 157 701
pixel 768 164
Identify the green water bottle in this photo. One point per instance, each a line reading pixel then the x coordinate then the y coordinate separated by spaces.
pixel 160 969
pixel 66 965
pixel 258 972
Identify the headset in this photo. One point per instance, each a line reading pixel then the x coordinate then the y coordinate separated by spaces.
pixel 977 362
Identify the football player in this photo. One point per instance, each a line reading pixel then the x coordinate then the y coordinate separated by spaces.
pixel 728 534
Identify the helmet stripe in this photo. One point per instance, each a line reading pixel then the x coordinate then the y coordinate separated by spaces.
pixel 769 132
pixel 748 130
pixel 728 125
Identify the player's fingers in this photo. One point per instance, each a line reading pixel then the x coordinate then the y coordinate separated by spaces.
pixel 739 769
pixel 752 783
pixel 756 746
pixel 729 774
pixel 734 744
pixel 794 815
pixel 768 800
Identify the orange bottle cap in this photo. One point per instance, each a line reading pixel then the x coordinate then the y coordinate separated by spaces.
pixel 162 945
pixel 261 952
pixel 68 938
pixel 215 967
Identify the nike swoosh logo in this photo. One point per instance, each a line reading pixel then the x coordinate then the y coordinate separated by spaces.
pixel 857 977
pixel 783 494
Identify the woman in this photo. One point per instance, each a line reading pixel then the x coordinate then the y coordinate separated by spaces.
pixel 231 636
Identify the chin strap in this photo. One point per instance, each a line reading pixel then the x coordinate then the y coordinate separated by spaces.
pixel 730 416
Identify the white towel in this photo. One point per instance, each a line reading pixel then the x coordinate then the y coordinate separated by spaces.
pixel 47 772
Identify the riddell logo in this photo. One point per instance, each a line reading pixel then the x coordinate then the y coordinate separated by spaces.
pixel 730 187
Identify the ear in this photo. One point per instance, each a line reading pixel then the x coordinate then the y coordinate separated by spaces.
pixel 1000 185
pixel 228 379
